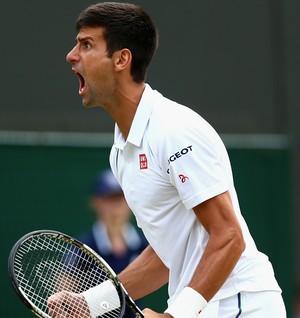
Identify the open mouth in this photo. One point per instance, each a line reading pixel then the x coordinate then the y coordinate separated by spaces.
pixel 81 83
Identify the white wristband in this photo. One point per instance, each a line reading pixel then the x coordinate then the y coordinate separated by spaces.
pixel 102 298
pixel 188 304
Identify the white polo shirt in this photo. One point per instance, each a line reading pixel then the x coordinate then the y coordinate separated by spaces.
pixel 172 161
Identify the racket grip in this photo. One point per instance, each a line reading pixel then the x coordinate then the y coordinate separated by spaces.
pixel 132 305
pixel 139 314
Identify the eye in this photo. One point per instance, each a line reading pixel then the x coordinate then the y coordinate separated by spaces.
pixel 87 45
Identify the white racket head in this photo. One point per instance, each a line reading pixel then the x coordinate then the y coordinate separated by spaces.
pixel 46 262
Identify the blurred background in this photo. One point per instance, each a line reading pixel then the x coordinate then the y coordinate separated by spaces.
pixel 234 62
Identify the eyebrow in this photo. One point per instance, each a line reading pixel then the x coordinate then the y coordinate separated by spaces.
pixel 84 38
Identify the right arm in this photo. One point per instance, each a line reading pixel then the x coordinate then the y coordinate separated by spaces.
pixel 144 275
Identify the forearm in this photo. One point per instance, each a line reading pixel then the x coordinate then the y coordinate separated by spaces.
pixel 224 247
pixel 220 256
pixel 144 275
pixel 217 263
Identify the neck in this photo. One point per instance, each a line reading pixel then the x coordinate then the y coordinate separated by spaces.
pixel 125 106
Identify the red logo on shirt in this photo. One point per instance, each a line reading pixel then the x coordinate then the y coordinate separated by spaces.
pixel 143 162
pixel 183 178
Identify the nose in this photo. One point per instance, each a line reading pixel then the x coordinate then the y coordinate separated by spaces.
pixel 73 55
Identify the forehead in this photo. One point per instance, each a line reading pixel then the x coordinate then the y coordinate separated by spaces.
pixel 94 33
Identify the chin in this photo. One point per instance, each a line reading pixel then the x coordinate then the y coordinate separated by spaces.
pixel 88 104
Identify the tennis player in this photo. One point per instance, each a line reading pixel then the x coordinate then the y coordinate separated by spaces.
pixel 176 176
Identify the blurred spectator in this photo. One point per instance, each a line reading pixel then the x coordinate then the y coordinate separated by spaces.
pixel 112 236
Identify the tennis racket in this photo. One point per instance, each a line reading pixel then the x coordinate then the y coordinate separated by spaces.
pixel 49 263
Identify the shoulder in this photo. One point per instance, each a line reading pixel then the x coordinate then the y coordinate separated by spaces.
pixel 173 127
pixel 171 121
pixel 170 116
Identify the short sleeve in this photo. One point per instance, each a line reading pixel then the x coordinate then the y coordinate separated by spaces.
pixel 196 162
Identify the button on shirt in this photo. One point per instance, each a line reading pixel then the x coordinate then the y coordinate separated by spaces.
pixel 172 161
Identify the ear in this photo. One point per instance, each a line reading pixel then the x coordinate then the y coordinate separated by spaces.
pixel 122 59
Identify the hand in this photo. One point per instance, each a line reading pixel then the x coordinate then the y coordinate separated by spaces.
pixel 66 304
pixel 148 313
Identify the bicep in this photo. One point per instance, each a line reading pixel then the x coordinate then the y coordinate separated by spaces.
pixel 217 214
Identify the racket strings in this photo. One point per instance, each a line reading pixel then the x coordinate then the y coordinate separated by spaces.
pixel 45 265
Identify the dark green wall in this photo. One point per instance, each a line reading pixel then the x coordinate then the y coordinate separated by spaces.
pixel 264 184
pixel 47 187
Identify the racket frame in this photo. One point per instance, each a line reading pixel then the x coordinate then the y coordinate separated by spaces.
pixel 124 296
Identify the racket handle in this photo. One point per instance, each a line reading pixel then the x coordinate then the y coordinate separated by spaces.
pixel 132 305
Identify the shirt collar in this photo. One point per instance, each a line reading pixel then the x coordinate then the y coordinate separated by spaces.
pixel 139 122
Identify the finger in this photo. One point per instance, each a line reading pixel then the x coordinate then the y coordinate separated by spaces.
pixel 147 312
pixel 57 310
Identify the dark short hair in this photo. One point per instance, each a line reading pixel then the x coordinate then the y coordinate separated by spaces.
pixel 125 26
